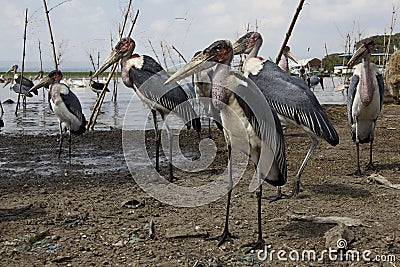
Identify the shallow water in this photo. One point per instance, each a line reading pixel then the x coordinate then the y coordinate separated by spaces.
pixel 37 118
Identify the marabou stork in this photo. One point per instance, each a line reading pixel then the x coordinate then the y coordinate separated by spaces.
pixel 65 105
pixel 314 81
pixel 2 79
pixel 364 100
pixel 289 96
pixel 202 86
pixel 146 77
pixel 96 87
pixel 249 123
pixel 1 116
pixel 284 62
pixel 15 83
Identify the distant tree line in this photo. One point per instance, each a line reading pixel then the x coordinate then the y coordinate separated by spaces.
pixel 381 42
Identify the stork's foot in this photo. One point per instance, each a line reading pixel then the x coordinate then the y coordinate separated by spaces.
pixel 260 244
pixel 171 178
pixel 358 173
pixel 196 156
pixel 296 189
pixel 224 237
pixel 370 167
pixel 279 195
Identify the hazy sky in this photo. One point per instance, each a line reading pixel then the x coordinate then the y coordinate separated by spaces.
pixel 84 26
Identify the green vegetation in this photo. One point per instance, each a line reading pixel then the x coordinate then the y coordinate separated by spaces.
pixel 380 46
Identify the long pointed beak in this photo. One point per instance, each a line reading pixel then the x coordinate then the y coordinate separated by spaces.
pixel 110 60
pixel 46 81
pixel 10 70
pixel 359 54
pixel 200 62
pixel 238 48
pixel 291 56
pixel 7 82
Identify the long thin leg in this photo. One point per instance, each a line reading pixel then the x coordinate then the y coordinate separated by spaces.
pixel 170 139
pixel 69 146
pixel 370 165
pixel 61 140
pixel 358 172
pixel 260 243
pixel 226 235
pixel 157 139
pixel 296 185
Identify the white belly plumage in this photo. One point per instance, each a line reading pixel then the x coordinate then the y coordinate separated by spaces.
pixel 241 135
pixel 65 117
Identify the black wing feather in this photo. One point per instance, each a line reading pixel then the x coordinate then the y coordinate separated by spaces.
pixel 259 116
pixel 351 92
pixel 150 81
pixel 291 98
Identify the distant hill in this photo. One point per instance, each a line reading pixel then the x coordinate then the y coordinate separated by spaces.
pixel 380 46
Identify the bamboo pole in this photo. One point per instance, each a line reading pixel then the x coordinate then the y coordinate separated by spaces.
pixel 289 32
pixel 99 101
pixel 51 35
pixel 40 75
pixel 23 67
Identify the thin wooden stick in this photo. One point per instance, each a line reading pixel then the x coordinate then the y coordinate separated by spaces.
pixel 51 35
pixel 99 101
pixel 179 53
pixel 23 65
pixel 133 23
pixel 40 56
pixel 164 56
pixel 326 52
pixel 169 54
pixel 121 32
pixel 390 38
pixel 289 32
pixel 154 51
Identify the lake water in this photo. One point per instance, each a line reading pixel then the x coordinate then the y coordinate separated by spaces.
pixel 37 118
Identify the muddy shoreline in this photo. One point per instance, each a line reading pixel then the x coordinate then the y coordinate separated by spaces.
pixel 94 213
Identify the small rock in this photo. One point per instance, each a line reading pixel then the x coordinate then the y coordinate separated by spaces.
pixel 120 243
pixel 339 237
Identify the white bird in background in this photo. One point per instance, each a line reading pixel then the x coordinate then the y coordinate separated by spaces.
pixel 364 100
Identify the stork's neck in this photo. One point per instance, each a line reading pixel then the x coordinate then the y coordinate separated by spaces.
pixel 366 88
pixel 125 71
pixel 219 84
pixel 254 52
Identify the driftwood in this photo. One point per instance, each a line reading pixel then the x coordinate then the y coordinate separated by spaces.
pixel 327 220
pixel 379 179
